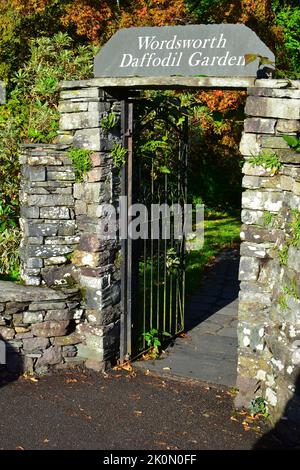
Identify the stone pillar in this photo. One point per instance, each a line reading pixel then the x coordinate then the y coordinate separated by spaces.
pixel 96 258
pixel 47 215
pixel 269 305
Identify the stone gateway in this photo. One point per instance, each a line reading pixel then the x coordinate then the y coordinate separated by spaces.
pixel 69 310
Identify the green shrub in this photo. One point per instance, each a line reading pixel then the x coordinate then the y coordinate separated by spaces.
pixel 8 218
pixel 204 9
pixel 30 113
pixel 288 18
pixel 9 254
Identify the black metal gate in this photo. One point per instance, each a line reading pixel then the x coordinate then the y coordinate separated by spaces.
pixel 153 273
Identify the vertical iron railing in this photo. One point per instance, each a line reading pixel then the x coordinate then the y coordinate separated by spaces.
pixel 127 278
pixel 162 289
pixel 152 289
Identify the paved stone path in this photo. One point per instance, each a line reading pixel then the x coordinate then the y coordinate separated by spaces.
pixel 209 350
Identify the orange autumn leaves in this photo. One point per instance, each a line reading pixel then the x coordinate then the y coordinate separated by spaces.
pixel 220 102
pixel 154 13
pixel 97 20
pixel 90 19
pixel 26 7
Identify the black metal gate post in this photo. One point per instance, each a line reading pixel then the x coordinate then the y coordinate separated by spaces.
pixel 127 280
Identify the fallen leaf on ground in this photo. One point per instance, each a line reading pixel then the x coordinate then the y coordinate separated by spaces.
pixel 138 413
pixel 182 335
pixel 247 428
pixel 71 381
pixel 135 397
pixel 126 366
pixel 147 357
pixel 26 376
pixel 232 392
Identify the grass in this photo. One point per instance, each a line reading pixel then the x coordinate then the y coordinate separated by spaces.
pixel 220 231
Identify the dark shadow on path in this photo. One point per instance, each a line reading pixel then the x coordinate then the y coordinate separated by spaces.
pixel 286 432
pixel 209 351
pixel 218 290
pixel 11 363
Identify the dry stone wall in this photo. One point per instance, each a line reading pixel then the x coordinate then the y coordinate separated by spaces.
pixel 38 327
pixel 269 301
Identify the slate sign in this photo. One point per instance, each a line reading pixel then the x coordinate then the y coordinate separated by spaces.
pixel 215 50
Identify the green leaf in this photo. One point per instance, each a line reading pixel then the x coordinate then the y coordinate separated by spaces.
pixel 153 331
pixel 180 120
pixel 291 140
pixel 164 170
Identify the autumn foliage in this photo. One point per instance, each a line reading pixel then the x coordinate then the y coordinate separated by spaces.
pixel 93 22
pixel 97 20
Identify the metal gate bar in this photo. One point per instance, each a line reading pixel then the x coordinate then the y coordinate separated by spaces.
pixel 127 279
